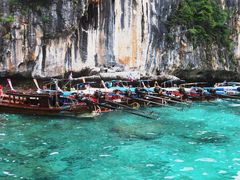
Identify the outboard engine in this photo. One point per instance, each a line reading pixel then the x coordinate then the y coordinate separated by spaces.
pixel 143 93
pixel 88 102
pixel 157 89
pixel 128 93
pixel 97 94
pixel 238 89
pixel 212 91
pixel 138 91
pixel 199 90
pixel 182 90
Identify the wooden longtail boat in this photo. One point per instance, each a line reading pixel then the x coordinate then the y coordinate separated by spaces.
pixel 228 88
pixel 42 104
pixel 198 91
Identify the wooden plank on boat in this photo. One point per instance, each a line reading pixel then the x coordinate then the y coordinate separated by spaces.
pixel 169 100
pixel 148 101
pixel 228 96
pixel 130 110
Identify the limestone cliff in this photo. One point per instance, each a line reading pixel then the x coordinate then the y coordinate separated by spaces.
pixel 44 38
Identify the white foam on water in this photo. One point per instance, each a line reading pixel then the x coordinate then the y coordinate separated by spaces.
pixel 222 172
pixel 234 105
pixel 218 151
pixel 204 174
pixel 236 159
pixel 237 177
pixel 107 147
pixel 2 134
pixel 206 160
pixel 201 132
pixel 150 133
pixel 187 169
pixel 8 173
pixel 5 159
pixel 192 142
pixel 149 165
pixel 179 160
pixel 169 177
pixel 104 155
pixel 54 153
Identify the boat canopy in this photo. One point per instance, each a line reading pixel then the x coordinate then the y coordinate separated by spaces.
pixel 228 84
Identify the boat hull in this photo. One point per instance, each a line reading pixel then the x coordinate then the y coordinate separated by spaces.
pixel 9 108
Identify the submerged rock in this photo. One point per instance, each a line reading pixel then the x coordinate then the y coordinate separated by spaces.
pixel 207 138
pixel 2 118
pixel 144 132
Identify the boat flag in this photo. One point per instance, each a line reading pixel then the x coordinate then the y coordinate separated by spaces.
pixel 103 84
pixel 1 90
pixel 70 77
pixel 156 84
pixel 10 84
pixel 57 87
pixel 38 88
pixel 131 77
pixel 144 86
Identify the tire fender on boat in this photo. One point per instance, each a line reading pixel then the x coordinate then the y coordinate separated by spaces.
pixel 135 105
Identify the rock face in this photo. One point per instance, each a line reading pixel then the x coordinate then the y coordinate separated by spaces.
pixel 45 39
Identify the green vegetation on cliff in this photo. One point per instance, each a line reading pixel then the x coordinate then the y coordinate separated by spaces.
pixel 205 22
pixel 30 3
pixel 25 5
pixel 7 19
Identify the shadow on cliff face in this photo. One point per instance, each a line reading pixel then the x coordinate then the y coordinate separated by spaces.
pixel 18 81
pixel 207 75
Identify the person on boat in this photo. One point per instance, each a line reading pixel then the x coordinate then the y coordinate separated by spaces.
pixel 64 88
pixel 138 91
pixel 99 96
pixel 199 91
pixel 147 85
pixel 128 93
pixel 168 93
pixel 108 85
pixel 156 84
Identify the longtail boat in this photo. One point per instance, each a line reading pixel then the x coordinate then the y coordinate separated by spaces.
pixel 197 91
pixel 228 88
pixel 43 104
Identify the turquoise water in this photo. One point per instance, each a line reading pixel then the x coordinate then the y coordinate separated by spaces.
pixel 201 142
